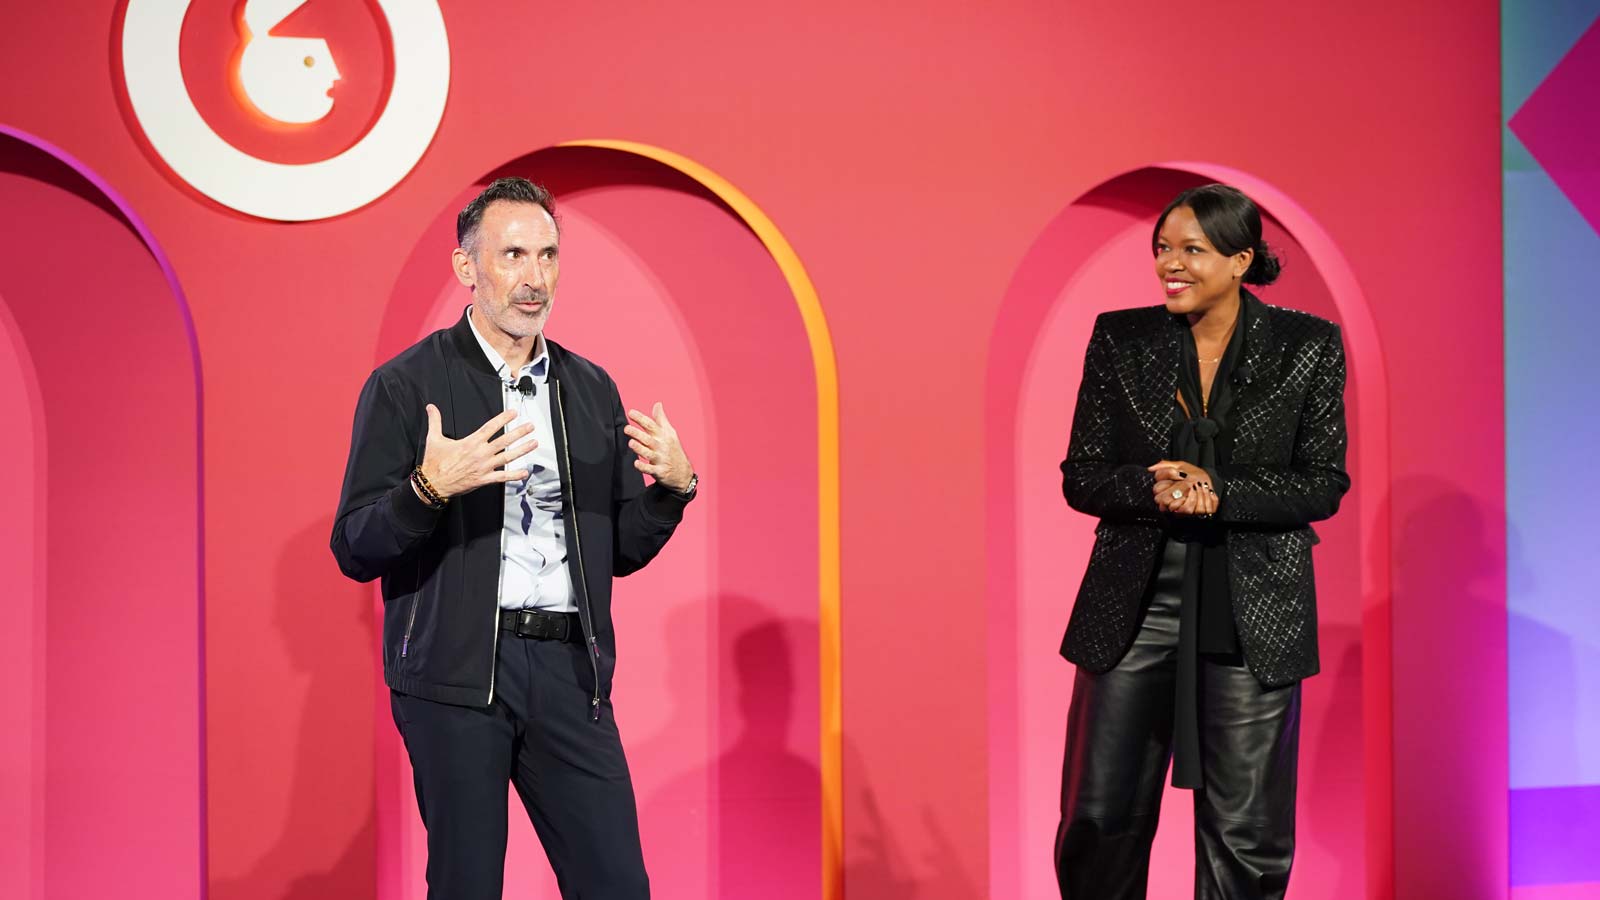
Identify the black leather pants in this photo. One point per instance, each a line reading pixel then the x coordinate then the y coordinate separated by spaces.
pixel 1119 741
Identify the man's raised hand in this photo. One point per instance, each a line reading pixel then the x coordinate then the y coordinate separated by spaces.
pixel 653 439
pixel 456 467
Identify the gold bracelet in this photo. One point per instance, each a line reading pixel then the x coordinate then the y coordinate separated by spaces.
pixel 425 487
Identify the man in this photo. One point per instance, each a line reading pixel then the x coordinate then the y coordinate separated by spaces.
pixel 494 484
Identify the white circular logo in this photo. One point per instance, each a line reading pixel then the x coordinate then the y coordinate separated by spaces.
pixel 152 70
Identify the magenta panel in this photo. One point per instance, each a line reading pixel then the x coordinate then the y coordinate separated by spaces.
pixel 1589 890
pixel 1560 124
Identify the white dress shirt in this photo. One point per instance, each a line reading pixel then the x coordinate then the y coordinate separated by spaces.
pixel 533 547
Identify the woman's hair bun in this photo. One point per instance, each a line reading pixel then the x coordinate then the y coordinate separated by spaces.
pixel 1264 267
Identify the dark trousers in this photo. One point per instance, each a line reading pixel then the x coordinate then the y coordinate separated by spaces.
pixel 1119 742
pixel 537 736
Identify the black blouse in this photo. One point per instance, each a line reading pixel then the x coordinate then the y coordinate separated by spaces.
pixel 1203 437
pixel 1207 441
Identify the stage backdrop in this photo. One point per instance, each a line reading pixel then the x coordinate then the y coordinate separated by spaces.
pixel 855 249
pixel 1552 232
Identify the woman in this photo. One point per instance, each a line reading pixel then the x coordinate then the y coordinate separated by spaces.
pixel 1209 434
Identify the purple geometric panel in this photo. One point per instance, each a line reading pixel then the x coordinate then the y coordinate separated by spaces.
pixel 1560 125
pixel 1555 832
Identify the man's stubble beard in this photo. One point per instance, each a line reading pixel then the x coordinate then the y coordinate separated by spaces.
pixel 514 322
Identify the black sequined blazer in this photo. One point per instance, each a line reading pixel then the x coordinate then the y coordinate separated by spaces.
pixel 1286 471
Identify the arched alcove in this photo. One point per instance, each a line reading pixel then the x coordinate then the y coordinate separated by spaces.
pixel 101 551
pixel 727 669
pixel 1094 256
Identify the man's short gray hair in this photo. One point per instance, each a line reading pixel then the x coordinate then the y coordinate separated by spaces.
pixel 511 190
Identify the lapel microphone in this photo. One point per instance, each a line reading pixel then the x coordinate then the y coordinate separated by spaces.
pixel 526 386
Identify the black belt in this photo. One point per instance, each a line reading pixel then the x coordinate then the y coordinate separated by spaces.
pixel 543 626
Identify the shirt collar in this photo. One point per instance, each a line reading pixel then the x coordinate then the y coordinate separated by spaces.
pixel 538 367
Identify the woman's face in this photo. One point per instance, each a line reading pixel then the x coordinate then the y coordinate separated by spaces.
pixel 1194 275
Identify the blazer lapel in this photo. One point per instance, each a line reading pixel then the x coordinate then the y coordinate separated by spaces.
pixel 1253 380
pixel 1155 387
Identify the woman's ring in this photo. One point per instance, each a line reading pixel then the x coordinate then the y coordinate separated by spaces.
pixel 1177 494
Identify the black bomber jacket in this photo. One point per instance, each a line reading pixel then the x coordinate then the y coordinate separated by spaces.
pixel 441 568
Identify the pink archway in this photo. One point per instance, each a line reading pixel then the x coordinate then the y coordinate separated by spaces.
pixel 104 754
pixel 1094 256
pixel 720 673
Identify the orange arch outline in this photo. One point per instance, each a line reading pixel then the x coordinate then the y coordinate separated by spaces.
pixel 827 375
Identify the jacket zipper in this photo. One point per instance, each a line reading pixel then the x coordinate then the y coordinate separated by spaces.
pixel 494 651
pixel 411 618
pixel 405 643
pixel 577 541
pixel 499 584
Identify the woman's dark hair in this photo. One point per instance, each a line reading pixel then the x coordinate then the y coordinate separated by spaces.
pixel 1232 223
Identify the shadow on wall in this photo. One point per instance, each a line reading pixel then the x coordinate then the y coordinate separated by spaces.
pixel 1341 683
pixel 757 794
pixel 22 159
pixel 877 866
pixel 330 641
pixel 1442 548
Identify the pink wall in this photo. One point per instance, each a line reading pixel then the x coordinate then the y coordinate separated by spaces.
pixel 912 160
pixel 103 753
pixel 22 703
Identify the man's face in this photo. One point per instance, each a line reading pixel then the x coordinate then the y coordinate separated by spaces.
pixel 512 267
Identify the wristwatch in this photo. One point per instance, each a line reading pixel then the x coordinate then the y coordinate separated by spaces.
pixel 688 493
